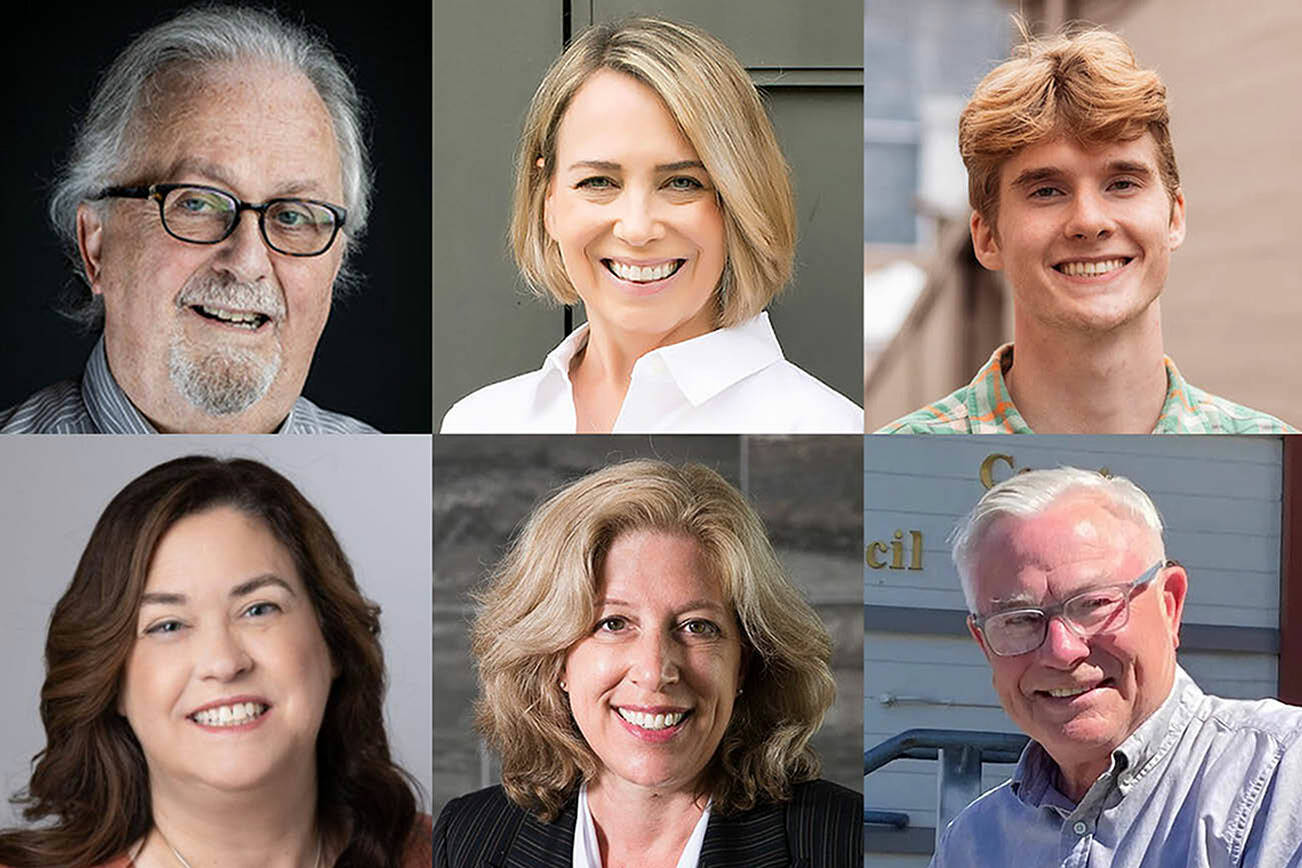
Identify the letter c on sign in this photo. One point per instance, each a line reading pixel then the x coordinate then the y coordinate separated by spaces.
pixel 988 468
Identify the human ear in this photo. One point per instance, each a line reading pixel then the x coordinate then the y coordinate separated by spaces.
pixel 90 239
pixel 985 242
pixel 976 634
pixel 1175 233
pixel 1174 586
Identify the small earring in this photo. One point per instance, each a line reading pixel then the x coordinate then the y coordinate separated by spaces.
pixel 739 691
pixel 562 684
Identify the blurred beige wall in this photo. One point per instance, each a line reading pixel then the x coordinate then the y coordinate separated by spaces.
pixel 1232 307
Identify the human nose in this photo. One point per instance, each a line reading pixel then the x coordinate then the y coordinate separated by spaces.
pixel 638 222
pixel 223 656
pixel 244 253
pixel 1062 644
pixel 655 662
pixel 1089 217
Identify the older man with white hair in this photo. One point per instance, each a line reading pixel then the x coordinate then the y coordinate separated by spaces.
pixel 215 185
pixel 1077 609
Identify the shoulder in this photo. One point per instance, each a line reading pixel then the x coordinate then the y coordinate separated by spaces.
pixel 1216 415
pixel 471 824
pixel 311 419
pixel 56 409
pixel 494 409
pixel 826 802
pixel 986 831
pixel 947 416
pixel 419 850
pixel 1237 718
pixel 780 398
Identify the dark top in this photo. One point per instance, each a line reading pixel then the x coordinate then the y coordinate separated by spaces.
pixel 821 827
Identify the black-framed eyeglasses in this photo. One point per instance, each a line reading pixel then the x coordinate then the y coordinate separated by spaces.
pixel 207 215
pixel 1104 609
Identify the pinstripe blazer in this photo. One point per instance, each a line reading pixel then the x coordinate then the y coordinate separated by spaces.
pixel 821 827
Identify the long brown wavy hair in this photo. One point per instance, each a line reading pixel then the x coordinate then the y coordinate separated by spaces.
pixel 91 780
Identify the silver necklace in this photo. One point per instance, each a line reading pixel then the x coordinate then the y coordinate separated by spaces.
pixel 179 858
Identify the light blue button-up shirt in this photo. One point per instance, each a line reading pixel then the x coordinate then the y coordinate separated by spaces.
pixel 1204 781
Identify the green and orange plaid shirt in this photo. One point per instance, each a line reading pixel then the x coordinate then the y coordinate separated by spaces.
pixel 984 406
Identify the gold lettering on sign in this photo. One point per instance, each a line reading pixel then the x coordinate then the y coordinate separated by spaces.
pixel 875 551
pixel 988 468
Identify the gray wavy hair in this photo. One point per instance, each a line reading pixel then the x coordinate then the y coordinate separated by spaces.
pixel 204 36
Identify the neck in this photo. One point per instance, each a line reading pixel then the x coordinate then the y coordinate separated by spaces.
pixel 1066 382
pixel 600 373
pixel 640 825
pixel 1074 781
pixel 270 827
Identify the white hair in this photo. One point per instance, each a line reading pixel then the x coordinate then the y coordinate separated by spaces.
pixel 1031 493
pixel 104 144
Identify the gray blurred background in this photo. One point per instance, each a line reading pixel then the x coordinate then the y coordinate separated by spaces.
pixel 373 491
pixel 807 60
pixel 807 490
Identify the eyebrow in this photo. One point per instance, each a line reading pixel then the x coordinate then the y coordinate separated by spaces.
pixel 167 598
pixel 608 166
pixel 1030 177
pixel 686 607
pixel 218 173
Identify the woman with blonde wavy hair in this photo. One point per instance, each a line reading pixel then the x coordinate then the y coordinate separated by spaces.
pixel 651 681
pixel 650 186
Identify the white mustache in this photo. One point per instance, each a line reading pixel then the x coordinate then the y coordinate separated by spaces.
pixel 215 292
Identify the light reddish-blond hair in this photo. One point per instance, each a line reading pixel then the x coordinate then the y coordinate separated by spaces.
pixel 1086 86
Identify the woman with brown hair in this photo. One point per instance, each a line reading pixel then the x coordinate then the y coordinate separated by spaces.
pixel 214 691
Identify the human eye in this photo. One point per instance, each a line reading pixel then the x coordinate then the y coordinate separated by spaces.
pixel 1019 620
pixel 261 610
pixel 1045 192
pixel 596 183
pixel 701 627
pixel 194 200
pixel 611 624
pixel 1124 185
pixel 164 628
pixel 684 184
pixel 295 215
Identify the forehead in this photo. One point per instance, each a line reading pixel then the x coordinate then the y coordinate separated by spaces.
pixel 1077 542
pixel 657 567
pixel 215 549
pixel 614 116
pixel 1069 155
pixel 260 126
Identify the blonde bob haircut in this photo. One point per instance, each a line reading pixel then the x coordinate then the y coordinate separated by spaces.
pixel 1086 86
pixel 710 97
pixel 541 600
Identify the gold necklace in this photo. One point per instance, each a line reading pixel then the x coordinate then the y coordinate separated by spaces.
pixel 316 862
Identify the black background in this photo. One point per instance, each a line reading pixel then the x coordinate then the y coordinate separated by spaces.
pixel 374 357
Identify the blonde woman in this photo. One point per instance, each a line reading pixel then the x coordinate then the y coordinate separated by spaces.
pixel 650 186
pixel 651 681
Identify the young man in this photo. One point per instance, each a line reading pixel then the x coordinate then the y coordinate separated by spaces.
pixel 1076 197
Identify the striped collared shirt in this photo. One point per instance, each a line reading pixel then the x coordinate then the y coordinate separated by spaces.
pixel 984 406
pixel 97 405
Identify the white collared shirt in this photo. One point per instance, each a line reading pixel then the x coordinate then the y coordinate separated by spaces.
pixel 732 381
pixel 587 853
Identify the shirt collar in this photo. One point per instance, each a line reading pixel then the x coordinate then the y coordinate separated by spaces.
pixel 1034 778
pixel 701 367
pixel 112 412
pixel 991 410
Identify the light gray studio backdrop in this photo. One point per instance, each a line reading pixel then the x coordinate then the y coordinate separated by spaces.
pixel 373 491
pixel 807 59
pixel 806 489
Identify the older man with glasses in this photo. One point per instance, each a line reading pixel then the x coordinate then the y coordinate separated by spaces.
pixel 210 315
pixel 1077 609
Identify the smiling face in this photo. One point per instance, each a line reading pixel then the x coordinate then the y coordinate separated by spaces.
pixel 258 132
pixel 226 684
pixel 634 214
pixel 1117 679
pixel 652 687
pixel 1084 234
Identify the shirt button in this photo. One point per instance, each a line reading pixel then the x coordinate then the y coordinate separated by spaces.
pixel 1080 828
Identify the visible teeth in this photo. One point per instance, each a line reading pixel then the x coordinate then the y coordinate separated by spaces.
pixel 644 274
pixel 1067 691
pixel 229 715
pixel 1090 269
pixel 233 317
pixel 651 721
